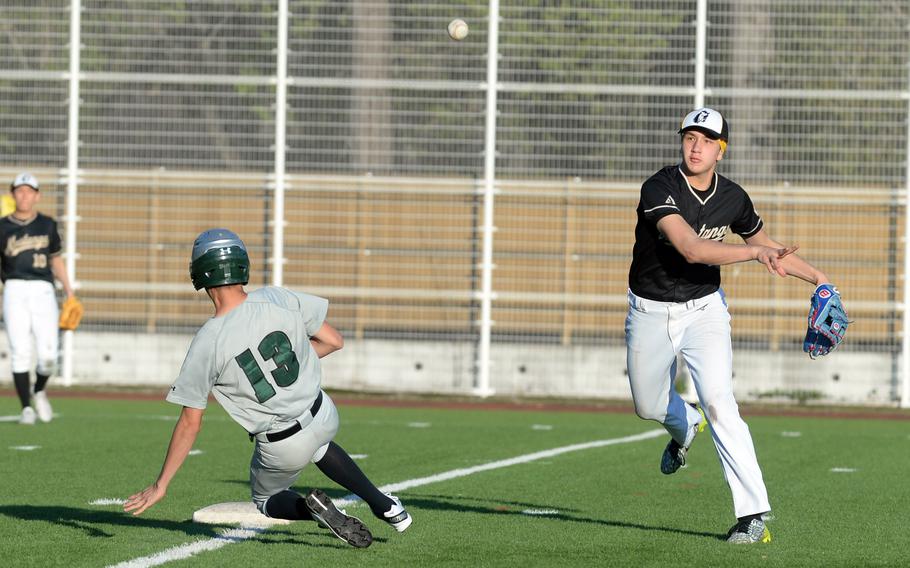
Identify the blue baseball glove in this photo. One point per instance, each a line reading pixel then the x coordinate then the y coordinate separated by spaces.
pixel 827 322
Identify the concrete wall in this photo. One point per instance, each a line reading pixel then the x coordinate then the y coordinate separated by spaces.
pixel 375 365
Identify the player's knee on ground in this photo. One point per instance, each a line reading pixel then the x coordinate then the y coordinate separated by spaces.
pixel 287 504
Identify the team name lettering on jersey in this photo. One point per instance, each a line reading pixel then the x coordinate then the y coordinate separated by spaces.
pixel 16 245
pixel 712 234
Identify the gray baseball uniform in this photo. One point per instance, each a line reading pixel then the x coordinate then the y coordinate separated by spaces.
pixel 262 369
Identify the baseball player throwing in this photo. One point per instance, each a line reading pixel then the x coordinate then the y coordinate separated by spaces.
pixel 259 355
pixel 676 306
pixel 30 249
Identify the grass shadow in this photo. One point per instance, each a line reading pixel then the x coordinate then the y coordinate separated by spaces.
pixel 90 521
pixel 478 506
pixel 466 504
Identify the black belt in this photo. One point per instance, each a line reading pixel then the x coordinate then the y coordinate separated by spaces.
pixel 287 433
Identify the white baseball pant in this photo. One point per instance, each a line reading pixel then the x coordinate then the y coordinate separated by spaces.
pixel 699 330
pixel 275 466
pixel 30 311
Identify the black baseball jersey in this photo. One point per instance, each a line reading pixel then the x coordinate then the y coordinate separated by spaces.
pixel 26 248
pixel 659 272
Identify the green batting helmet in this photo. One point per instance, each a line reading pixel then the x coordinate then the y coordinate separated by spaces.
pixel 219 258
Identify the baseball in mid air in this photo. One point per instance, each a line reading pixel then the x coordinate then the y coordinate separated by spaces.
pixel 458 29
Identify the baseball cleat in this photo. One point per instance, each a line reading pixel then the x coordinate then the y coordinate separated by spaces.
pixel 28 416
pixel 45 412
pixel 674 456
pixel 397 516
pixel 749 532
pixel 348 529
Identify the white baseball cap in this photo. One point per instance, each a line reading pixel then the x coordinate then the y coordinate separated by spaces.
pixel 708 121
pixel 25 178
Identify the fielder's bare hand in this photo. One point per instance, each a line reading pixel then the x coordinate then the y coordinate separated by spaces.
pixel 139 502
pixel 771 258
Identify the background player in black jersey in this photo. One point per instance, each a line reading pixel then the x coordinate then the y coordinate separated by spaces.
pixel 29 262
pixel 676 307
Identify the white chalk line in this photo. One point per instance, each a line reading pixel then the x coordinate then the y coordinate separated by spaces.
pixel 185 551
pixel 540 512
pixel 106 501
pixel 237 535
pixel 463 472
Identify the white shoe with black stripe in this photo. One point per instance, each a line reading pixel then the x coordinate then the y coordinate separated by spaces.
pixel 397 516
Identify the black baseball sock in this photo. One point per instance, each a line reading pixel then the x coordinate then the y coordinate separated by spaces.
pixel 40 381
pixel 750 518
pixel 338 466
pixel 288 505
pixel 21 382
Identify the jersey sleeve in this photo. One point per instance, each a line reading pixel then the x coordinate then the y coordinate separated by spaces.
pixel 197 375
pixel 658 199
pixel 314 310
pixel 55 244
pixel 748 222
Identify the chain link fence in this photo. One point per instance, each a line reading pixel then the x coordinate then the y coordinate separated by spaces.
pixel 358 155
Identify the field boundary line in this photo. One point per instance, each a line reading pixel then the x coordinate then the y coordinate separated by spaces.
pixel 231 536
pixel 184 551
pixel 526 458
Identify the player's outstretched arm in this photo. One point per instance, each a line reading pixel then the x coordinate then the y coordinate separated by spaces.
pixel 792 265
pixel 704 251
pixel 188 426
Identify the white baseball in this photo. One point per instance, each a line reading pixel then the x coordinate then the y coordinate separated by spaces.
pixel 458 29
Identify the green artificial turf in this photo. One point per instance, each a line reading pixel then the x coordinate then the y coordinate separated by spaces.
pixel 838 489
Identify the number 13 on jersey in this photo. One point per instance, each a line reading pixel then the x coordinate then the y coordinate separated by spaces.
pixel 274 346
